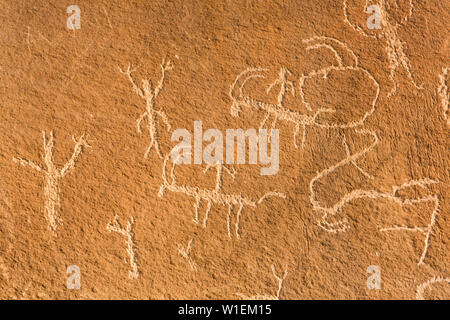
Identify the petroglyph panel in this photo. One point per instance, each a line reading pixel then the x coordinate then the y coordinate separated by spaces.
pixel 347 100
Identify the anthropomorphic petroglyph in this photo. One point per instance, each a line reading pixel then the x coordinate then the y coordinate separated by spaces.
pixel 280 281
pixel 53 175
pixel 394 47
pixel 128 233
pixel 149 95
pixel 346 61
pixel 420 291
pixel 186 254
pixel 443 92
pixel 211 196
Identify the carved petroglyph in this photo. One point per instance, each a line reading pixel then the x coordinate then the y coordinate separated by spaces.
pixel 340 226
pixel 428 284
pixel 4 200
pixel 211 196
pixel 443 93
pixel 6 229
pixel 279 280
pixel 26 295
pixel 128 233
pixel 427 230
pixel 4 271
pixel 277 111
pixel 394 47
pixel 300 121
pixel 107 18
pixel 185 253
pixel 150 94
pixel 346 61
pixel 30 39
pixel 396 56
pixel 53 175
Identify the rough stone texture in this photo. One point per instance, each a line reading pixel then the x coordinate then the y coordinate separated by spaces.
pixel 68 82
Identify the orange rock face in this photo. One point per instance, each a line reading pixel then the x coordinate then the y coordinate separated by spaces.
pixel 93 206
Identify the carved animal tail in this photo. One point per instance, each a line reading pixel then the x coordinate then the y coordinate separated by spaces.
pixel 271 194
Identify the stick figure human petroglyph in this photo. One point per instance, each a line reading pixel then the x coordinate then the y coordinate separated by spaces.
pixel 150 94
pixel 128 233
pixel 186 254
pixel 211 196
pixel 53 175
pixel 394 47
pixel 427 284
pixel 280 281
pixel 443 92
pixel 346 62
